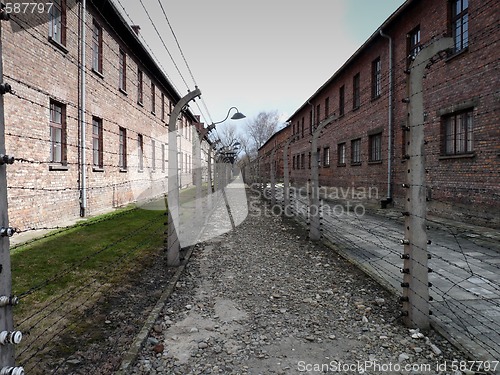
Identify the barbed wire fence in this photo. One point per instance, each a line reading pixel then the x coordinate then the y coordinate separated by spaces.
pixel 445 271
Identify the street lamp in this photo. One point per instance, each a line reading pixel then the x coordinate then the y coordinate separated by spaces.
pixel 237 116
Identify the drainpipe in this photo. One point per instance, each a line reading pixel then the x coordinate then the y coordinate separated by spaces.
pixel 390 126
pixel 83 183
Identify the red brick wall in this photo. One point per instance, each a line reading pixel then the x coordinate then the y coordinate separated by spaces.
pixel 40 71
pixel 458 187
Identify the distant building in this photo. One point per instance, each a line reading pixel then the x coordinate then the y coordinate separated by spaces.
pixel 366 145
pixel 128 101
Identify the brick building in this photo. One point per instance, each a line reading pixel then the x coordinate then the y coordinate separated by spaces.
pixel 127 104
pixel 364 144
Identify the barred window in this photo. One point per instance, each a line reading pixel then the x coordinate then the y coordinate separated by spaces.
pixel 97 47
pixel 140 86
pixel 122 71
pixel 460 24
pixel 140 152
pixel 458 133
pixel 376 78
pixel 341 154
pixel 122 149
pixel 326 156
pixel 57 132
pixel 356 91
pixel 375 146
pixel 97 143
pixel 341 100
pixel 413 44
pixel 57 22
pixel 356 151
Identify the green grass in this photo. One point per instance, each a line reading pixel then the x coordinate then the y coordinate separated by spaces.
pixel 103 248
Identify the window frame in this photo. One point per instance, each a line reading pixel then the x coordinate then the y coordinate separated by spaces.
pixel 122 148
pixel 326 156
pixel 356 151
pixel 140 152
pixel 153 155
pixel 413 44
pixel 463 43
pixel 162 106
pixel 468 131
pixel 376 78
pixel 341 151
pixel 153 98
pixel 163 157
pixel 375 147
pixel 97 143
pixel 122 71
pixel 97 47
pixel 58 20
pixel 140 86
pixel 342 100
pixel 61 127
pixel 356 91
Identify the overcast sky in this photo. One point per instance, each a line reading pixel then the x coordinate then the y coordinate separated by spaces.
pixel 259 55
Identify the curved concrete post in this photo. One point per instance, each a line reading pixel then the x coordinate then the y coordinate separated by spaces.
pixel 416 264
pixel 173 244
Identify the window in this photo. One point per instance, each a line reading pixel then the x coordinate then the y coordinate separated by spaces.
pixel 356 94
pixel 375 146
pixel 122 71
pixel 57 22
pixel 122 150
pixel 163 158
pixel 341 100
pixel 309 160
pixel 327 107
pixel 310 121
pixel 153 155
pixel 356 151
pixel 293 162
pixel 341 154
pixel 458 136
pixel 162 107
pixel 140 152
pixel 57 133
pixel 153 98
pixel 140 87
pixel 376 78
pixel 302 127
pixel 97 143
pixel 318 114
pixel 413 44
pixel 302 161
pixel 318 157
pixel 96 47
pixel 326 156
pixel 460 24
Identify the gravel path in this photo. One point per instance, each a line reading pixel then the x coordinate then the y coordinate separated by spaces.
pixel 265 300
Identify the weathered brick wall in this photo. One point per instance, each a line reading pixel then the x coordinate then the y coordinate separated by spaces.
pixel 40 71
pixel 459 187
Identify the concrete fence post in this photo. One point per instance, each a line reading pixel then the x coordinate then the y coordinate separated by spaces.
pixel 415 266
pixel 7 301
pixel 314 201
